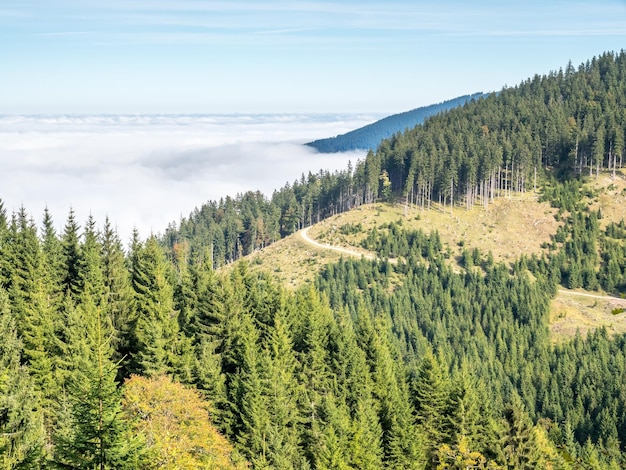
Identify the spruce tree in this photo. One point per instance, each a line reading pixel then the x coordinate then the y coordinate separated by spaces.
pixel 90 273
pixel 5 264
pixel 470 414
pixel 70 256
pixel 32 297
pixel 331 448
pixel 93 433
pixel 284 393
pixel 156 331
pixel 248 397
pixel 118 293
pixel 21 419
pixel 519 446
pixel 430 390
pixel 402 441
pixel 355 387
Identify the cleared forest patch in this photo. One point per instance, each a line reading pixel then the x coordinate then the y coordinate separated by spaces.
pixel 610 196
pixel 291 261
pixel 570 313
pixel 508 228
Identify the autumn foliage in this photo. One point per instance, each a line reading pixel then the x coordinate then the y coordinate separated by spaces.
pixel 174 423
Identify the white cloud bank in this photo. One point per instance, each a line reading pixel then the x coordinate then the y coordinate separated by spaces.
pixel 147 171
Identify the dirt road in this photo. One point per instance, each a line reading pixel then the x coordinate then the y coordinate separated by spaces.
pixel 304 233
pixel 593 296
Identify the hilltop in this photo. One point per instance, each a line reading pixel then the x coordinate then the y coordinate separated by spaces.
pixel 369 137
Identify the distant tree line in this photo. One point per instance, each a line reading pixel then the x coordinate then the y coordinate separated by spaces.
pixel 369 137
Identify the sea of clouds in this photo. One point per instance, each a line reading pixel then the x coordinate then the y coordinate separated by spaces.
pixel 146 171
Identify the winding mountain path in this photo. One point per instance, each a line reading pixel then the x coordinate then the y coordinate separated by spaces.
pixel 304 233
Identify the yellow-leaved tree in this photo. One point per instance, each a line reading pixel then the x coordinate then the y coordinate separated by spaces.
pixel 173 421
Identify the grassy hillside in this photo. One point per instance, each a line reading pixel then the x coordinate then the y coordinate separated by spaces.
pixel 508 228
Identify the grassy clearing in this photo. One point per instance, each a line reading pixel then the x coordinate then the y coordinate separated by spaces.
pixel 611 197
pixel 508 228
pixel 569 313
pixel 291 261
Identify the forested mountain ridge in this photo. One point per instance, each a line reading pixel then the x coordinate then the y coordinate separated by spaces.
pixel 441 359
pixel 500 145
pixel 369 137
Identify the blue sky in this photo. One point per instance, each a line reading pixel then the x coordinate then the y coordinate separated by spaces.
pixel 191 56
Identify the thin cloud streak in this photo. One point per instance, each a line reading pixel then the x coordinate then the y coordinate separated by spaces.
pixel 246 19
pixel 148 171
pixel 66 33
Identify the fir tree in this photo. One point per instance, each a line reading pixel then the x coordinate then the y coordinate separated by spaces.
pixel 94 433
pixel 21 419
pixel 70 256
pixel 156 331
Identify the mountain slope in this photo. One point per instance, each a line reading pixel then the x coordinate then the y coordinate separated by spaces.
pixel 508 229
pixel 368 137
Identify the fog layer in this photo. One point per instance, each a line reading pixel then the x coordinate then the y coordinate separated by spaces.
pixel 147 171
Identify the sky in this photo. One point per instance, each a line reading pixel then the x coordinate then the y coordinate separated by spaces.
pixel 142 110
pixel 315 56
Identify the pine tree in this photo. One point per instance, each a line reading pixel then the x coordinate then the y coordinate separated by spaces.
pixel 94 433
pixel 21 419
pixel 70 256
pixel 156 331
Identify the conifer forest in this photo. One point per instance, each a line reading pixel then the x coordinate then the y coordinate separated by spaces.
pixel 149 354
